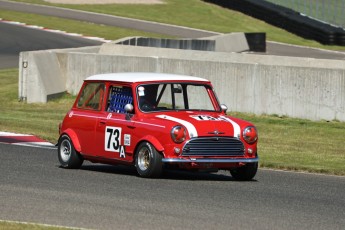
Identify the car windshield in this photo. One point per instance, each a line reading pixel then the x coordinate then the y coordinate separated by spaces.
pixel 176 96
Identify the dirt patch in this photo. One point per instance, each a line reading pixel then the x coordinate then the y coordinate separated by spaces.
pixel 106 1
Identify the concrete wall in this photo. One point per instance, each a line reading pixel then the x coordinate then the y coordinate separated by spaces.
pixel 296 87
pixel 232 42
pixel 40 76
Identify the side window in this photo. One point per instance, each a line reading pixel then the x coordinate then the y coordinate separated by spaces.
pixel 91 97
pixel 118 98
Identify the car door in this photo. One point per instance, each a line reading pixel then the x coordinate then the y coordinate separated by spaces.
pixel 85 115
pixel 114 130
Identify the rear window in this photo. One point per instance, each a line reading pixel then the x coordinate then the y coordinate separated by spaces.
pixel 91 97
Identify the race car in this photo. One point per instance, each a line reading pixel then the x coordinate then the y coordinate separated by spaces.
pixel 156 121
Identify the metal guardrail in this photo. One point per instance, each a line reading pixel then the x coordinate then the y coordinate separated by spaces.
pixel 328 11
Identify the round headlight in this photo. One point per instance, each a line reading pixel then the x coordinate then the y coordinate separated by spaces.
pixel 178 134
pixel 250 135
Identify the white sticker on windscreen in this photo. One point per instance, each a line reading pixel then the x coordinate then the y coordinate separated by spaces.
pixel 141 91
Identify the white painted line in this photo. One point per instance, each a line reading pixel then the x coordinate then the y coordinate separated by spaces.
pixel 44 225
pixel 43 145
pixel 34 144
pixel 298 172
pixel 13 134
pixel 54 31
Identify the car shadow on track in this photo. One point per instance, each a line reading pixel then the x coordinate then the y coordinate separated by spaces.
pixel 168 174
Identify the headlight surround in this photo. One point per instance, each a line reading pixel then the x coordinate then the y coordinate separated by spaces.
pixel 250 134
pixel 178 134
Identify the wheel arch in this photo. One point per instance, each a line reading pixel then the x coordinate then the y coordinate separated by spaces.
pixel 152 140
pixel 149 161
pixel 74 138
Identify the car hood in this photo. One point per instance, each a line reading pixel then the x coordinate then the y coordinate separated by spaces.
pixel 201 124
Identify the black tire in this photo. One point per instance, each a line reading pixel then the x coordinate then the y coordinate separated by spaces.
pixel 148 161
pixel 244 173
pixel 68 156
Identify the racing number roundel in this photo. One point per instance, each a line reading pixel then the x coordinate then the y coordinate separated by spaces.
pixel 112 140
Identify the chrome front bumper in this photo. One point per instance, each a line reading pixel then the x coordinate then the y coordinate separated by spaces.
pixel 210 160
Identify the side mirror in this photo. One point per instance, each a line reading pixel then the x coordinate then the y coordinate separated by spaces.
pixel 224 108
pixel 129 109
pixel 177 89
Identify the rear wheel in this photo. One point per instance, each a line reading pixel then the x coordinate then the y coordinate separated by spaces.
pixel 68 156
pixel 148 161
pixel 246 172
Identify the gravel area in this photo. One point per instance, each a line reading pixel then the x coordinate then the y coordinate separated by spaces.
pixel 106 1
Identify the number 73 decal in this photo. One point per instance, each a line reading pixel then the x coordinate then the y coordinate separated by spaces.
pixel 112 140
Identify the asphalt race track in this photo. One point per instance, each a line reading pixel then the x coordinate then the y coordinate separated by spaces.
pixel 34 189
pixel 15 38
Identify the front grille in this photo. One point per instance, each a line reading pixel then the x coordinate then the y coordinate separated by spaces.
pixel 213 146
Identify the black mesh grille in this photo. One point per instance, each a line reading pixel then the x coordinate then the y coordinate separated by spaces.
pixel 213 146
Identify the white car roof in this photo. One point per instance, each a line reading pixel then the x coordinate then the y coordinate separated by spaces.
pixel 143 77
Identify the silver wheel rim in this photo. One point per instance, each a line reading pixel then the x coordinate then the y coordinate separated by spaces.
pixel 65 150
pixel 144 158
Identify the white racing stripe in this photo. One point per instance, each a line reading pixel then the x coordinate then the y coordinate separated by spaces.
pixel 190 127
pixel 237 129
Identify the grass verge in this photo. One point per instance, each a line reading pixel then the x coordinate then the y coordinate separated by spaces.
pixel 195 14
pixel 299 144
pixel 39 119
pixel 284 143
pixel 72 26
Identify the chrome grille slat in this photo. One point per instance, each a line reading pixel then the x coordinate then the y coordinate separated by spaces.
pixel 213 146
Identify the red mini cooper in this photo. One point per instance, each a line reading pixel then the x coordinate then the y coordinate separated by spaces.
pixel 153 120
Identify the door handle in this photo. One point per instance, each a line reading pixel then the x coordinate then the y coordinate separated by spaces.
pixel 102 122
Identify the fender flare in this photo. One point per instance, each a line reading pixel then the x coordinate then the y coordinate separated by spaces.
pixel 74 138
pixel 153 141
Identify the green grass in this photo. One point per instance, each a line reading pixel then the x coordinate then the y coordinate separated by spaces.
pixel 195 14
pixel 39 119
pixel 284 143
pixel 71 26
pixel 330 11
pixel 298 144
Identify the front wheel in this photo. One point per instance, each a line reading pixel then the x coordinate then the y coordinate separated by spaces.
pixel 246 172
pixel 148 161
pixel 68 156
